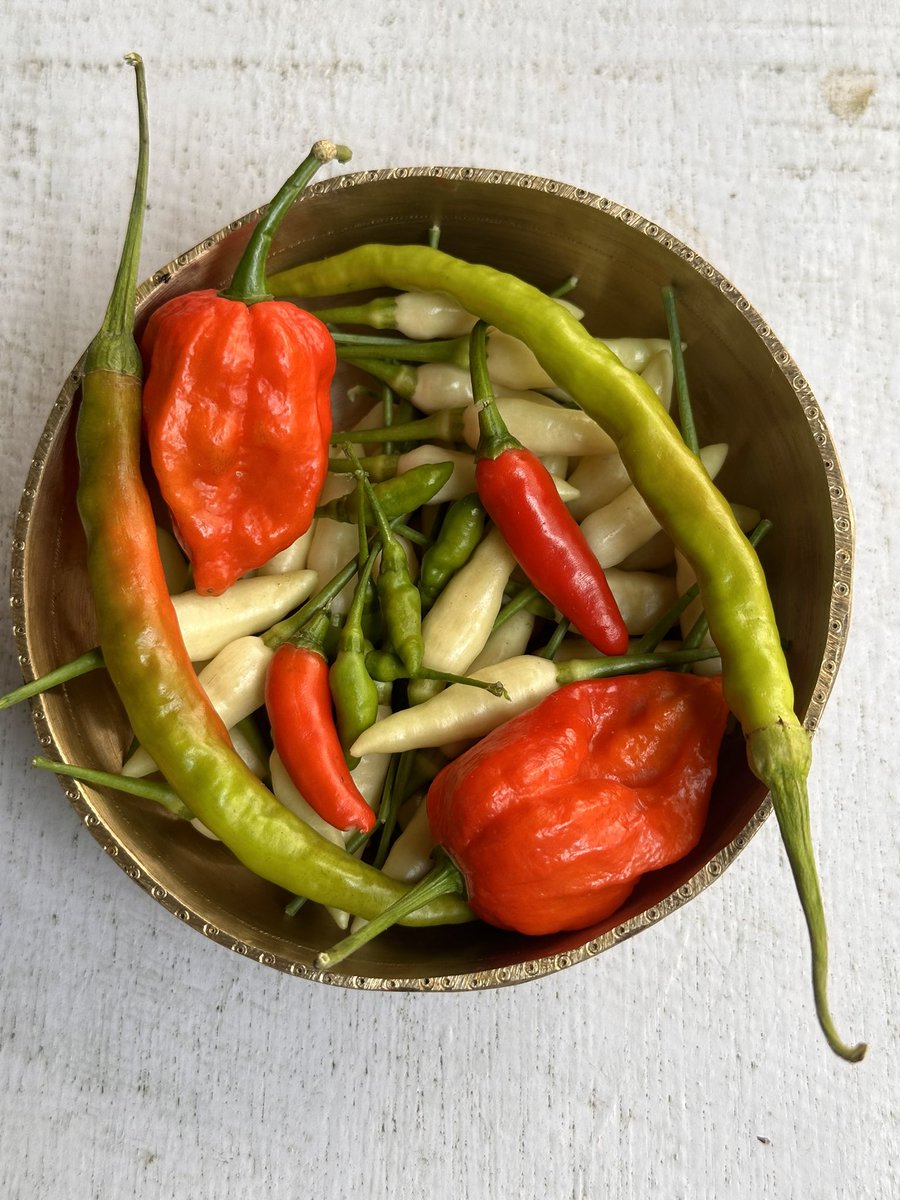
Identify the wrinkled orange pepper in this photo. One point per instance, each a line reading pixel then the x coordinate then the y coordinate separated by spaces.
pixel 237 409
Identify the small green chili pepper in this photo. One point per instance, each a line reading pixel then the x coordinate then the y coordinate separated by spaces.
pixel 353 690
pixel 395 497
pixel 399 596
pixel 460 533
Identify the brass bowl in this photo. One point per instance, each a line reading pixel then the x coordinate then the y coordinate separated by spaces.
pixel 746 390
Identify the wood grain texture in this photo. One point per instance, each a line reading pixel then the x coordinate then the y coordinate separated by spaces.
pixel 138 1060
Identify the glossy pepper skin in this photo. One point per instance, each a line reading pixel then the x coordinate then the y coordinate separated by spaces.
pixel 141 642
pixel 237 408
pixel 298 701
pixel 520 497
pixel 554 817
pixel 237 414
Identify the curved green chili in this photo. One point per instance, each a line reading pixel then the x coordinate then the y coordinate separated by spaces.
pixel 688 506
pixel 397 496
pixel 141 642
pixel 353 690
pixel 460 532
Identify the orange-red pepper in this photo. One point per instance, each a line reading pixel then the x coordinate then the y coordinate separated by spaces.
pixel 237 409
pixel 548 822
pixel 553 817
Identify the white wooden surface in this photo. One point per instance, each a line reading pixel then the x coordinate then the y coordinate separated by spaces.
pixel 137 1059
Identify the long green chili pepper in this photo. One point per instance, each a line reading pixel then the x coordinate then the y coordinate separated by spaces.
pixel 461 531
pixel 397 496
pixel 141 642
pixel 693 512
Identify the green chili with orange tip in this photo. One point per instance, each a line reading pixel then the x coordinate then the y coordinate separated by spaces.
pixel 693 512
pixel 141 643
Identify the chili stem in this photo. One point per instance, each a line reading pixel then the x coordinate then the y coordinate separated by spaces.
pixel 521 600
pixel 685 411
pixel 556 638
pixel 444 880
pixel 351 346
pixel 147 788
pixel 85 663
pixel 567 285
pixel 434 236
pixel 248 284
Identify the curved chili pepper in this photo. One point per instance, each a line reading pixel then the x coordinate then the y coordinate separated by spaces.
pixel 460 533
pixel 141 643
pixel 298 701
pixel 549 822
pixel 693 512
pixel 520 496
pixel 237 409
pixel 397 496
pixel 353 690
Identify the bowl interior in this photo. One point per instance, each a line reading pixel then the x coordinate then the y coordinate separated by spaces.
pixel 745 390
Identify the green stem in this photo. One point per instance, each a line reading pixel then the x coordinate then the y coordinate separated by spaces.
pixel 114 348
pixel 389 414
pixel 434 236
pixel 576 669
pixel 521 600
pixel 567 285
pixel 494 438
pixel 377 314
pixel 444 425
pixel 444 880
pixel 553 645
pixel 149 789
pixel 685 410
pixel 780 756
pixel 351 346
pixel 403 378
pixel 248 284
pixel 90 661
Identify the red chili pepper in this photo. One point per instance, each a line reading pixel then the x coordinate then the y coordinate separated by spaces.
pixel 298 701
pixel 520 497
pixel 237 409
pixel 548 822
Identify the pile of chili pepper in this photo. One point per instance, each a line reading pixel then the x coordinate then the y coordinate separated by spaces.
pixel 482 663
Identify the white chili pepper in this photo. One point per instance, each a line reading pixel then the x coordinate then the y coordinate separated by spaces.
pixel 659 372
pixel 442 385
pixel 599 478
pixel 509 641
pixel 462 711
pixel 234 681
pixel 626 523
pixel 635 353
pixel 654 555
pixel 292 558
pixel 545 427
pixel 642 597
pixel 455 629
pixel 209 623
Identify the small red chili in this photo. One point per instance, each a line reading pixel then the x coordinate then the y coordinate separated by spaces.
pixel 520 497
pixel 298 701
